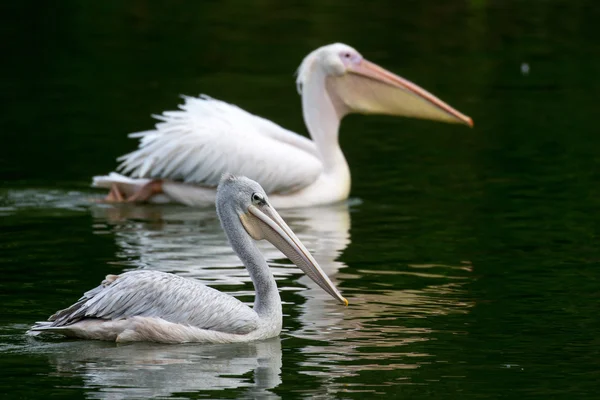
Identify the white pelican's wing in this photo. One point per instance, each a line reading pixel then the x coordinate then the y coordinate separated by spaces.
pixel 208 137
pixel 161 295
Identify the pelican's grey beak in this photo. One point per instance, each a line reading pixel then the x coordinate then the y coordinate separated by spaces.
pixel 368 88
pixel 267 224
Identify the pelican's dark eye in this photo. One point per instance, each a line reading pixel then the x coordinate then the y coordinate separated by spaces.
pixel 347 55
pixel 257 198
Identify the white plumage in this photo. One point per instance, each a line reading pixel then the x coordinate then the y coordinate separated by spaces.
pixel 208 137
pixel 182 159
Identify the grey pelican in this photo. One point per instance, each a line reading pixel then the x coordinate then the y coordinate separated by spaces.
pixel 182 159
pixel 145 305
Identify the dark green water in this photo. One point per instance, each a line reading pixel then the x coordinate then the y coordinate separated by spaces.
pixel 470 257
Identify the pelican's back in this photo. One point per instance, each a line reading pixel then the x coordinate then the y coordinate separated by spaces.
pixel 208 137
pixel 159 295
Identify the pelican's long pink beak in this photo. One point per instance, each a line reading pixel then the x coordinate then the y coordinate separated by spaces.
pixel 368 88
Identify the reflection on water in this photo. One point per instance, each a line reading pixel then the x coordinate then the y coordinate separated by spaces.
pixel 517 196
pixel 378 331
pixel 149 370
pixel 191 242
pixel 368 335
pixel 385 328
pixel 14 201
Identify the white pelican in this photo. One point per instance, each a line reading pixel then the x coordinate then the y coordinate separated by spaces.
pixel 183 158
pixel 155 306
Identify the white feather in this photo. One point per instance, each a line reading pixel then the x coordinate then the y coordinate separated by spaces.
pixel 208 137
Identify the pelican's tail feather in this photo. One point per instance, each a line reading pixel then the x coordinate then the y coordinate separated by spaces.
pixel 41 327
pixel 86 329
pixel 126 185
pixel 125 182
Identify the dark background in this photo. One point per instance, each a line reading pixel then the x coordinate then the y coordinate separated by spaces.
pixel 515 198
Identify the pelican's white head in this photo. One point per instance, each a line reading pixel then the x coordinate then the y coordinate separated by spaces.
pixel 331 60
pixel 353 84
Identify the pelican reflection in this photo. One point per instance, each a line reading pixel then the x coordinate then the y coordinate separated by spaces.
pixel 191 243
pixel 150 370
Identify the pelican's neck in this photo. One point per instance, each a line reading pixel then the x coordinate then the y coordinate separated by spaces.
pixel 267 302
pixel 323 122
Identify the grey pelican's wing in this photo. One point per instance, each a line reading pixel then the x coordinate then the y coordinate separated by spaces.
pixel 161 295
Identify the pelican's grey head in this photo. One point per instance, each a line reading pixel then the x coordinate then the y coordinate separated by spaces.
pixel 238 196
pixel 237 193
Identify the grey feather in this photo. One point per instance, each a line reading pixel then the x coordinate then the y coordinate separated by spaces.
pixel 158 294
pixel 162 307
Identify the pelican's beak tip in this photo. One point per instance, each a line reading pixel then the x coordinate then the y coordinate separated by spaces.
pixel 469 122
pixel 345 301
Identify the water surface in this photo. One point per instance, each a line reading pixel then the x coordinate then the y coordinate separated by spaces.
pixel 470 257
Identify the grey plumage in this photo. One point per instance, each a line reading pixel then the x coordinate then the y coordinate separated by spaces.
pixel 149 305
pixel 161 295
